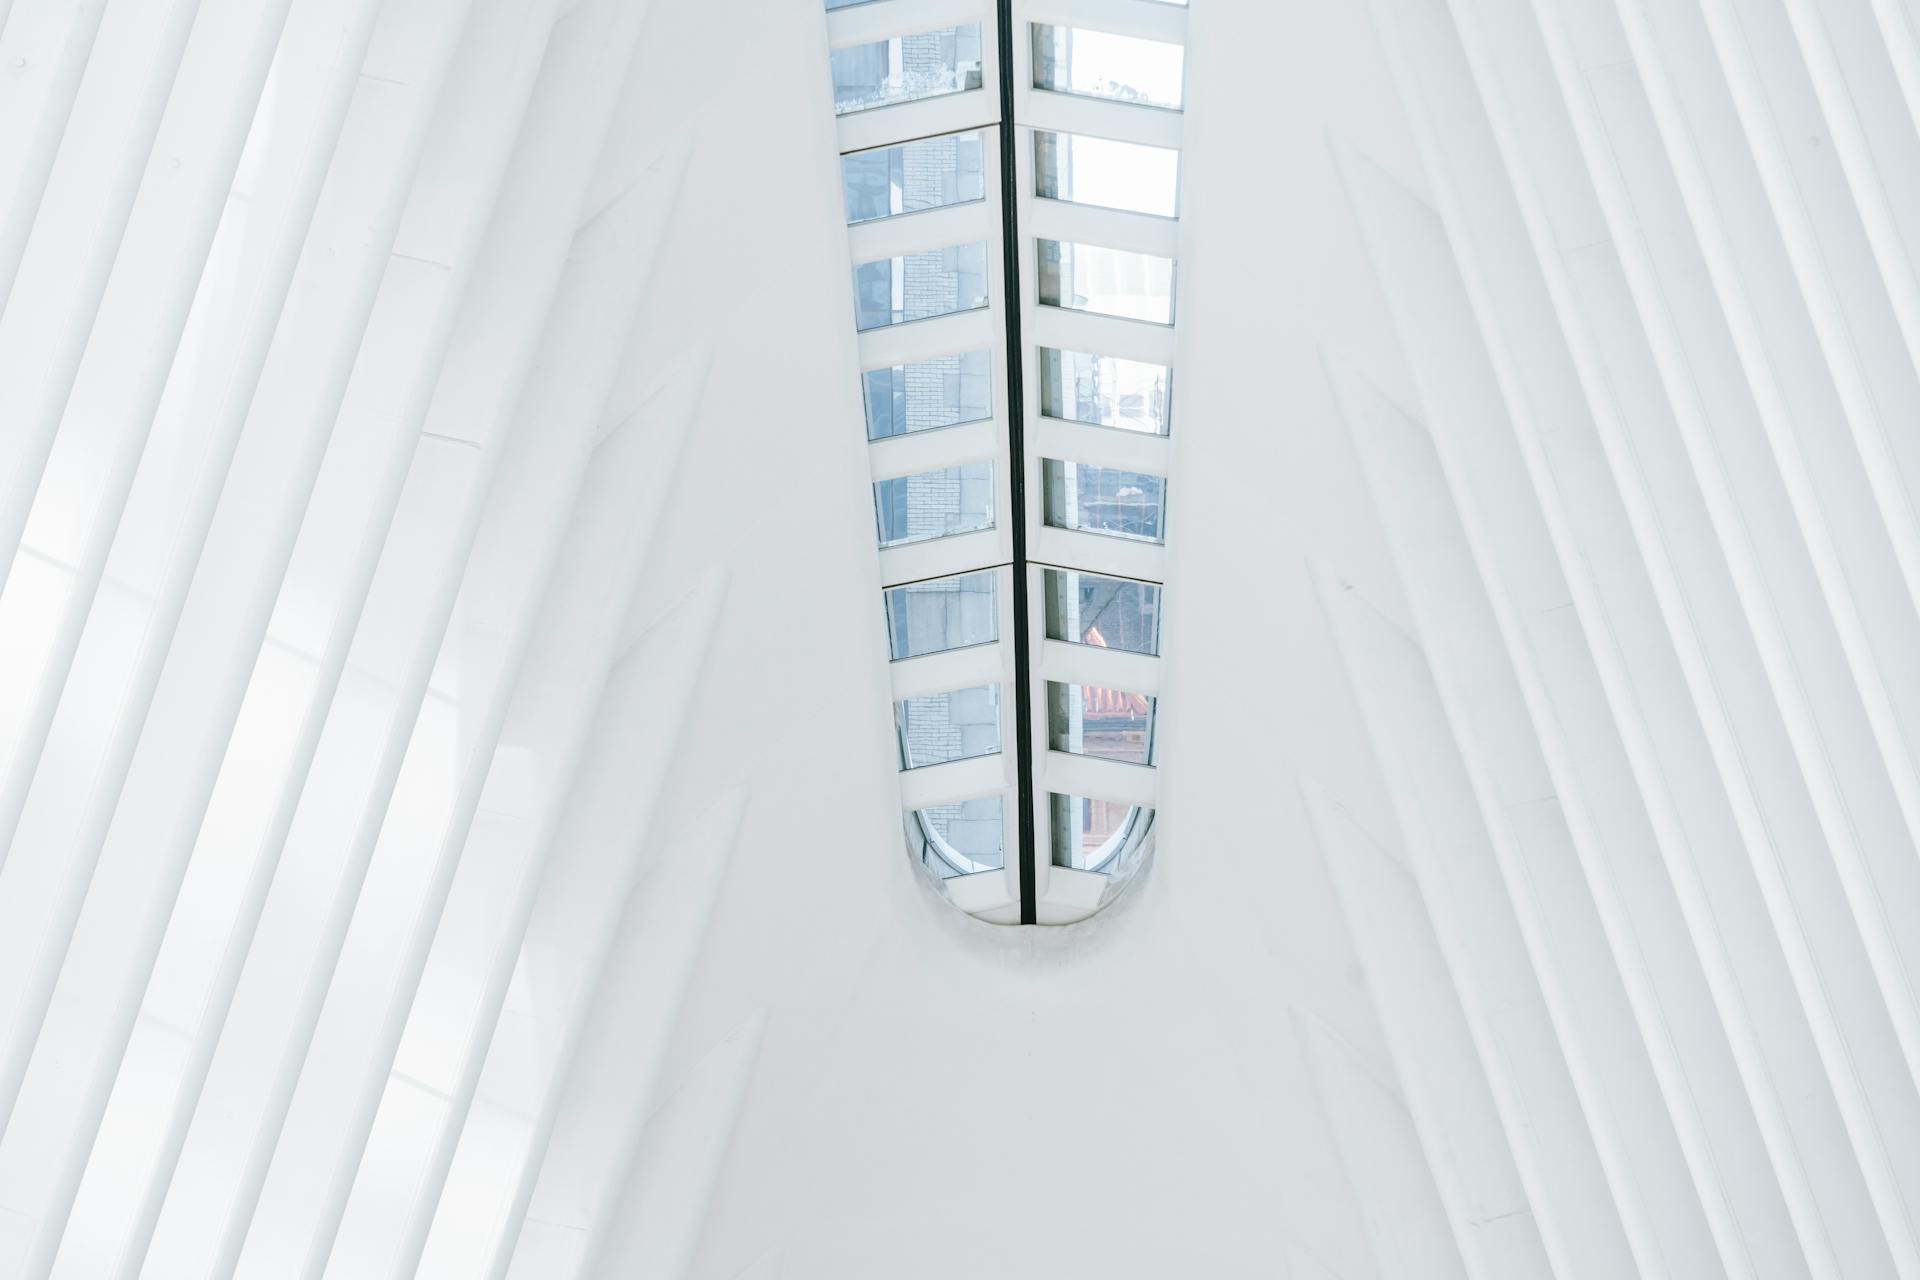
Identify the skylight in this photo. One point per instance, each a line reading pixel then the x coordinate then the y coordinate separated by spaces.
pixel 1013 261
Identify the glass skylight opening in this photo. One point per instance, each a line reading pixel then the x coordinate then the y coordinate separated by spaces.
pixel 1105 391
pixel 961 839
pixel 939 614
pixel 1100 171
pixel 919 286
pixel 928 64
pixel 939 728
pixel 1092 720
pixel 927 394
pixel 1104 500
pixel 1096 835
pixel 928 173
pixel 1100 64
pixel 1107 613
pixel 934 504
pixel 1009 767
pixel 1108 282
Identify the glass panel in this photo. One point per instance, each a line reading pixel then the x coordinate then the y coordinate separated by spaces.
pixel 913 176
pixel 1108 613
pixel 934 504
pixel 1125 504
pixel 1106 391
pixel 1091 720
pixel 937 282
pixel 1114 175
pixel 1108 282
pixel 906 68
pixel 926 394
pixel 957 725
pixel 942 613
pixel 1097 835
pixel 848 4
pixel 960 839
pixel 1100 64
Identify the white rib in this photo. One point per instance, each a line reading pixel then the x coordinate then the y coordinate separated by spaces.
pixel 318 1124
pixel 412 326
pixel 1816 766
pixel 1733 540
pixel 671 1168
pixel 325 118
pixel 1450 1101
pixel 1477 924
pixel 557 1171
pixel 58 39
pixel 1690 888
pixel 1889 251
pixel 37 404
pixel 515 825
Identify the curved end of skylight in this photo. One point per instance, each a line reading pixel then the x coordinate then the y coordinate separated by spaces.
pixel 1099 849
pixel 1014 282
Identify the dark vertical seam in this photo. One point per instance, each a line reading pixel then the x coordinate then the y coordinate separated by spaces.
pixel 1011 302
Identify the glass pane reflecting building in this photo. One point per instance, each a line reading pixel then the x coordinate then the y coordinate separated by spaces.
pixel 919 286
pixel 939 614
pixel 1107 613
pixel 938 728
pixel 1122 504
pixel 965 838
pixel 928 173
pixel 943 391
pixel 1091 720
pixel 1096 835
pixel 1100 171
pixel 1105 391
pixel 1101 64
pixel 906 68
pixel 1108 282
pixel 934 504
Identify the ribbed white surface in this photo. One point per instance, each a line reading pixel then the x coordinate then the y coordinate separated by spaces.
pixel 1650 504
pixel 329 470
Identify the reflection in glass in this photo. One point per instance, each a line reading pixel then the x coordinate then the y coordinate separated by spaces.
pixel 1105 391
pixel 906 68
pixel 1100 64
pixel 1114 175
pixel 1091 720
pixel 926 394
pixel 1107 836
pixel 1124 504
pixel 936 728
pixel 1108 613
pixel 1108 282
pixel 934 504
pixel 936 282
pixel 959 839
pixel 913 176
pixel 941 614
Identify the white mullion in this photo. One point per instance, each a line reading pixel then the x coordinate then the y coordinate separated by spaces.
pixel 910 233
pixel 1063 773
pixel 1091 664
pixel 1148 19
pixel 872 23
pixel 1103 446
pixel 1048 219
